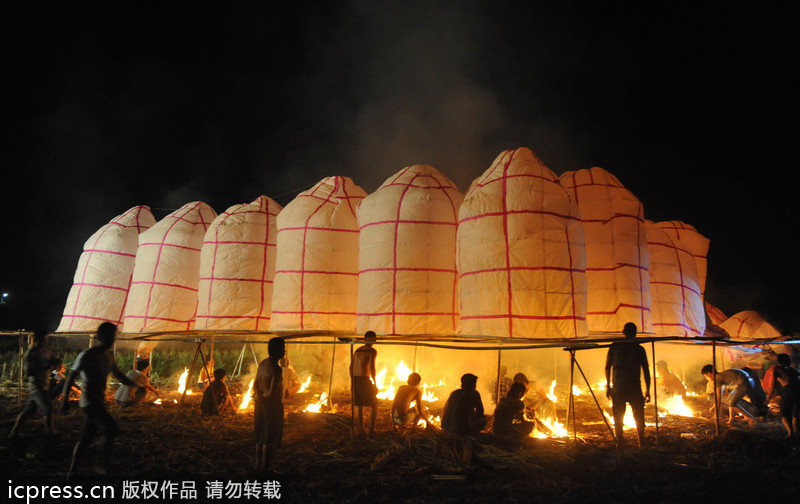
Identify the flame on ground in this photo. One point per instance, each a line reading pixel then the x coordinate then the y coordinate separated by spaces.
pixel 305 385
pixel 316 407
pixel 182 382
pixel 248 396
pixel 674 406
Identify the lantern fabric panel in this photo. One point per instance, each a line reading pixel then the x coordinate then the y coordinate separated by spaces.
pixel 616 250
pixel 693 241
pixel 676 302
pixel 750 325
pixel 521 255
pixel 407 242
pixel 103 276
pixel 316 270
pixel 166 276
pixel 237 268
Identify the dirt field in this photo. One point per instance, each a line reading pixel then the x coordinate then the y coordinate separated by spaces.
pixel 320 463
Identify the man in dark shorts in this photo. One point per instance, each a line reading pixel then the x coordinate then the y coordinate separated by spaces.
pixel 362 373
pixel 268 403
pixel 403 414
pixel 93 366
pixel 463 412
pixel 37 363
pixel 789 379
pixel 624 361
pixel 741 384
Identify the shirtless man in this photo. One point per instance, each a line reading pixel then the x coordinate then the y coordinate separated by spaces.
pixel 742 385
pixel 402 412
pixel 93 366
pixel 362 374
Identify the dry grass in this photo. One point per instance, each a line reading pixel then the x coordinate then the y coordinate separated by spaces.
pixel 320 463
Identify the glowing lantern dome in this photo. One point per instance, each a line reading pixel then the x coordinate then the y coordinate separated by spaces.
pixel 103 277
pixel 690 239
pixel 407 281
pixel 676 302
pixel 521 254
pixel 163 294
pixel 237 268
pixel 616 250
pixel 316 270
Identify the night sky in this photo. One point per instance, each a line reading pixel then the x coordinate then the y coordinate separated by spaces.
pixel 693 108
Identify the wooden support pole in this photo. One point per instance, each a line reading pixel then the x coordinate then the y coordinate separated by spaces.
pixel 655 388
pixel 571 405
pixel 330 377
pixel 352 398
pixel 600 408
pixel 21 351
pixel 497 388
pixel 714 374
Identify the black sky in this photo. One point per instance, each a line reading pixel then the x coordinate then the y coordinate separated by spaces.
pixel 160 103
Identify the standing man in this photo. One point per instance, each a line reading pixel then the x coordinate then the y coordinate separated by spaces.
pixel 268 403
pixel 37 363
pixel 624 361
pixel 362 374
pixel 94 365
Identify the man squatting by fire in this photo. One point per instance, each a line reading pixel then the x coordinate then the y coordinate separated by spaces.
pixel 268 403
pixel 362 374
pixel 403 414
pixel 741 384
pixel 623 362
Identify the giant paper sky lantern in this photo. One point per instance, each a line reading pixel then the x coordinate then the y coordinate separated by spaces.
pixel 316 270
pixel 163 293
pixel 521 254
pixel 237 267
pixel 696 243
pixel 103 276
pixel 407 281
pixel 676 303
pixel 616 250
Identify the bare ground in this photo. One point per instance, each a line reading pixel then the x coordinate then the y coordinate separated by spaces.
pixel 319 462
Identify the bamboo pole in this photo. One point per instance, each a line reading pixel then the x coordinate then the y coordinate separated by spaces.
pixel 497 388
pixel 655 388
pixel 330 378
pixel 571 404
pixel 714 374
pixel 21 352
pixel 352 397
pixel 188 376
pixel 600 408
